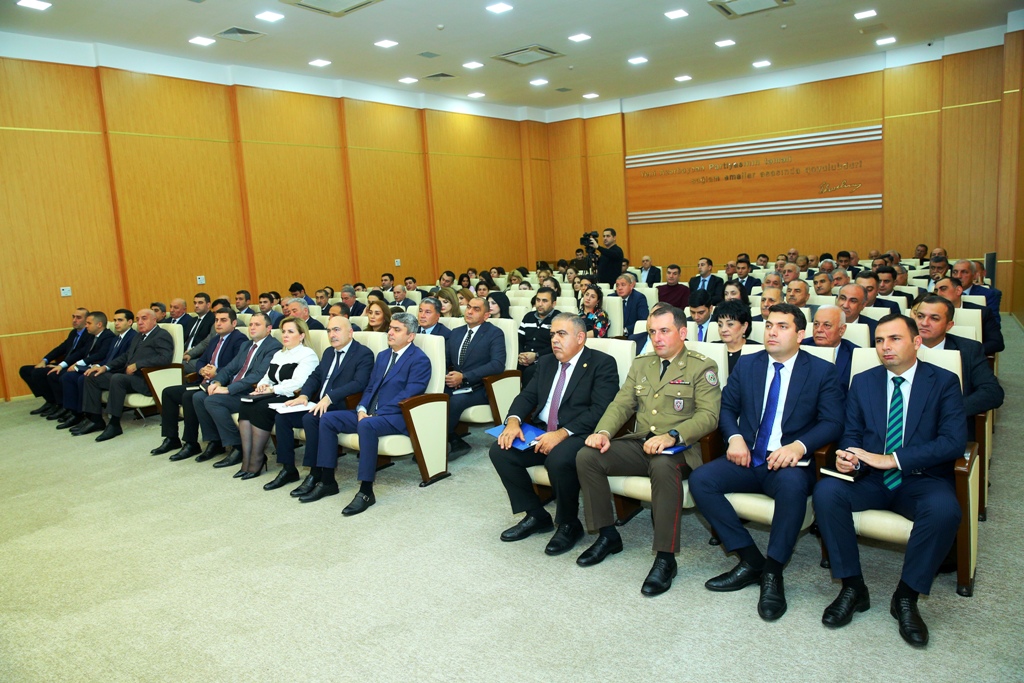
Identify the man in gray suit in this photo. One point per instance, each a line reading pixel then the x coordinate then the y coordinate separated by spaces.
pixel 151 347
pixel 224 394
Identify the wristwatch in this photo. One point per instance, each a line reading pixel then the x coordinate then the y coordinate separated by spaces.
pixel 674 434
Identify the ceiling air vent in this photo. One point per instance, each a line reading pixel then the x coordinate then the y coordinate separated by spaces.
pixel 563 89
pixel 734 9
pixel 333 8
pixel 239 34
pixel 439 76
pixel 525 56
pixel 429 55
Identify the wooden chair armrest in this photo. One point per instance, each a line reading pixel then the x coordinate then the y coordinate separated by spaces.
pixel 824 457
pixel 492 397
pixel 192 378
pixel 352 401
pixel 965 465
pixel 149 383
pixel 711 446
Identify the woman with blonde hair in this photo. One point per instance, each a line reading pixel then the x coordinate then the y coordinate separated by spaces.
pixel 449 303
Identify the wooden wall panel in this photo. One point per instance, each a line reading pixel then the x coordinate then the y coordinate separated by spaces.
pixel 608 195
pixel 570 206
pixel 382 126
pixel 476 136
pixel 155 105
pixel 972 77
pixel 48 96
pixel 540 239
pixel 970 171
pixel 1007 216
pixel 27 350
pixel 287 118
pixel 911 175
pixel 913 90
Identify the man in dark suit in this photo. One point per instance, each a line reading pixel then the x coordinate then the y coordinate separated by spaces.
pixel 73 380
pixel 203 322
pixel 566 397
pixel 223 396
pixel 982 392
pixel 965 271
pixel 610 257
pixel 192 354
pixel 410 286
pixel 266 305
pixel 771 442
pixel 180 396
pixel 707 281
pixel 429 313
pixel 852 299
pixel 700 313
pixel 243 302
pixel 769 297
pixel 91 349
pixel 743 276
pixel 474 351
pixel 35 375
pixel 905 423
pixel 829 326
pixel 400 372
pixel 298 291
pixel 868 279
pixel 949 288
pixel 298 308
pixel 344 371
pixel 938 266
pixel 887 286
pixel 348 297
pixel 178 314
pixel 402 298
pixel 634 304
pixel 535 333
pixel 648 274
pixel 152 347
pixel 993 296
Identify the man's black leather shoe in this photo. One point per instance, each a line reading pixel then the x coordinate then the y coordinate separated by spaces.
pixel 359 504
pixel 849 600
pixel 213 449
pixel 459 447
pixel 305 487
pixel 912 627
pixel 602 548
pixel 526 527
pixel 772 603
pixel 186 452
pixel 72 421
pixel 45 408
pixel 283 477
pixel 110 432
pixel 234 457
pixel 59 414
pixel 565 539
pixel 167 446
pixel 737 578
pixel 320 490
pixel 660 577
pixel 87 427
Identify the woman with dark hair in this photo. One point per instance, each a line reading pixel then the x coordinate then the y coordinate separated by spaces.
pixel 498 304
pixel 488 280
pixel 734 291
pixel 553 284
pixel 482 289
pixel 733 320
pixel 464 281
pixel 375 294
pixel 595 319
pixel 378 316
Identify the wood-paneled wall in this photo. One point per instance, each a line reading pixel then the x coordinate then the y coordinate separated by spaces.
pixel 127 186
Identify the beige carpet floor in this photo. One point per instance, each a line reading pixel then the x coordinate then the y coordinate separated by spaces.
pixel 118 566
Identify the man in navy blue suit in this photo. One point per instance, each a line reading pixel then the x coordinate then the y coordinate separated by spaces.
pixel 634 304
pixel 779 406
pixel 868 279
pixel 344 370
pixel 950 289
pixel 965 271
pixel 475 350
pixel 829 325
pixel 713 284
pixel 429 316
pixel 700 313
pixel 348 297
pixel 852 299
pixel 905 423
pixel 73 381
pixel 400 372
pixel 743 276
pixel 92 349
pixel 35 375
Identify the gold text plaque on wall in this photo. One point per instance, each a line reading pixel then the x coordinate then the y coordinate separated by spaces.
pixel 838 170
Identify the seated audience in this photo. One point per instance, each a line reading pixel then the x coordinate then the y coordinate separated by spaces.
pixel 378 317
pixel 827 332
pixel 672 292
pixel 535 333
pixel 498 305
pixel 106 349
pixel 595 319
pixel 450 307
pixel 35 375
pixel 733 320
pixel 429 313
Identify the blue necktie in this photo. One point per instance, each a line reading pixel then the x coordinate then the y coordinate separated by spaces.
pixel 764 430
pixel 894 433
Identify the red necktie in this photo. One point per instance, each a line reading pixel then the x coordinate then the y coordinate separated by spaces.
pixel 245 365
pixel 216 351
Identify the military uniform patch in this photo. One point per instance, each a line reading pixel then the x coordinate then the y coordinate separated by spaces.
pixel 678 404
pixel 711 377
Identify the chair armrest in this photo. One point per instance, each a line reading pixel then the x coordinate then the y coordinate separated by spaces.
pixel 156 382
pixel 824 457
pixel 352 401
pixel 429 436
pixel 191 378
pixel 711 446
pixel 502 389
pixel 965 465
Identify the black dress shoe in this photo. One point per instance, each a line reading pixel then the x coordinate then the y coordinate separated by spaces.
pixel 167 446
pixel 849 600
pixel 60 414
pixel 213 449
pixel 87 427
pixel 526 527
pixel 234 457
pixel 45 408
pixel 320 490
pixel 602 548
pixel 305 487
pixel 359 504
pixel 772 603
pixel 70 422
pixel 660 577
pixel 565 539
pixel 109 433
pixel 283 477
pixel 912 626
pixel 239 474
pixel 740 576
pixel 246 476
pixel 186 452
pixel 459 447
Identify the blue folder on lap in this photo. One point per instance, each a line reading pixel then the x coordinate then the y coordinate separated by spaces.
pixel 529 431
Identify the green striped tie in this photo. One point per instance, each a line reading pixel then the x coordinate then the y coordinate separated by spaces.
pixel 894 433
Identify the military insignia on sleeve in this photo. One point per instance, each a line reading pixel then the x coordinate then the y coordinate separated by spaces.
pixel 711 377
pixel 678 404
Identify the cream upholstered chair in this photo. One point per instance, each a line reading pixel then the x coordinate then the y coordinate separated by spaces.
pixel 314 311
pixel 894 528
pixel 159 378
pixel 243 319
pixel 650 294
pixel 503 387
pixel 612 305
pixel 518 313
pixel 974 299
pixel 319 341
pixel 716 352
pixel 875 312
pixel 819 300
pixel 360 320
pixel 567 304
pixel 968 317
pixel 756 331
pixel 899 301
pixel 859 335
pixel 966 332
pixel 711 333
pixel 426 416
pixel 411 294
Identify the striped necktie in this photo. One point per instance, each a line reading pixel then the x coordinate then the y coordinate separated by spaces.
pixel 894 433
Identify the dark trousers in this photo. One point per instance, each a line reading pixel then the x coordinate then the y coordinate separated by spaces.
pixel 369 429
pixel 528 371
pixel 928 501
pixel 459 402
pixel 626 457
pixel 173 398
pixel 118 384
pixel 284 424
pixel 789 487
pixel 214 413
pixel 72 385
pixel 561 465
pixel 35 378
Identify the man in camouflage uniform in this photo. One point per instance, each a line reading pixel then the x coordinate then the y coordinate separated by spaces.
pixel 675 395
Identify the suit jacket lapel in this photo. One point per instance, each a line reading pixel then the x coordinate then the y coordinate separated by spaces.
pixel 756 406
pixel 577 374
pixel 924 384
pixel 796 385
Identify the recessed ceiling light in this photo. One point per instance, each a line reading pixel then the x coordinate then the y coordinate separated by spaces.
pixel 385 43
pixel 472 65
pixel 683 78
pixel 407 80
pixel 725 43
pixel 677 14
pixel 319 62
pixel 34 4
pixel 538 81
pixel 270 16
pixel 763 63
pixel 885 41
pixel 637 60
pixel 499 8
pixel 579 37
pixel 590 95
pixel 199 40
pixel 866 14
pixel 474 95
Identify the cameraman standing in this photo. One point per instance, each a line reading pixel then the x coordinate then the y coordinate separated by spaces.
pixel 609 264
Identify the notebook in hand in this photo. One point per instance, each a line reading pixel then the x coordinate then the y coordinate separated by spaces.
pixel 529 431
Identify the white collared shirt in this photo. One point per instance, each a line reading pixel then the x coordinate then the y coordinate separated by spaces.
pixel 775 440
pixel 543 414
